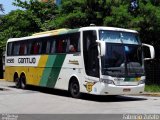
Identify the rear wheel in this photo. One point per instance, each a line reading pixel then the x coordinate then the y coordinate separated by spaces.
pixel 17 82
pixel 74 89
pixel 20 82
pixel 23 82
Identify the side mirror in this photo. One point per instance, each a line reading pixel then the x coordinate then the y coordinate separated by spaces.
pixel 101 45
pixel 151 51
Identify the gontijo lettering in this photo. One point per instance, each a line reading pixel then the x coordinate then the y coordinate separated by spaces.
pixel 27 60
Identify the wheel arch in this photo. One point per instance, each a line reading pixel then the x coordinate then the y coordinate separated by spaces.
pixel 23 75
pixel 15 76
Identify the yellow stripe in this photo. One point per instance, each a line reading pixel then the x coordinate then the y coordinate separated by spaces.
pixel 39 72
pixel 52 32
pixel 42 61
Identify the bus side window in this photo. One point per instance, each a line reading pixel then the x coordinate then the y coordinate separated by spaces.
pixel 32 47
pixel 26 48
pixel 9 49
pixel 59 49
pixel 16 47
pixel 61 42
pixel 74 42
pixel 36 47
pixel 22 49
pixel 43 49
pixel 48 46
pixel 53 46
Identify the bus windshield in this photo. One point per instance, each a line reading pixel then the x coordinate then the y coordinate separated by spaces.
pixel 119 37
pixel 123 56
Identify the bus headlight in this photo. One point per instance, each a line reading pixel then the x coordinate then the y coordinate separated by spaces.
pixel 107 81
pixel 141 82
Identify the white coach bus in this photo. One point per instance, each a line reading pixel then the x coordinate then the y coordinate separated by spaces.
pixel 94 60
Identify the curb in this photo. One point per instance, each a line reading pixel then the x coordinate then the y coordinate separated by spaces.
pixel 151 94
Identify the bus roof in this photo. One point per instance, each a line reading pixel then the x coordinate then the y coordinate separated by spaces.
pixel 107 28
pixel 66 31
pixel 45 34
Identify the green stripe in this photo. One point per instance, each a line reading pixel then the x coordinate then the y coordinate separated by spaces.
pixel 47 70
pixel 55 70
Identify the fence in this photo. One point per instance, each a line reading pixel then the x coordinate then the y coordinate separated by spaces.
pixel 152 68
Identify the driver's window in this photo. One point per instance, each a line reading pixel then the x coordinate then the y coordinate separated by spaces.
pixel 90 52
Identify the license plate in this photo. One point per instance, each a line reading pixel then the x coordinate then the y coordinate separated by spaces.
pixel 126 90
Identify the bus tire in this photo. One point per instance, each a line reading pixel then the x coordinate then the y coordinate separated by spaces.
pixel 18 82
pixel 23 82
pixel 74 89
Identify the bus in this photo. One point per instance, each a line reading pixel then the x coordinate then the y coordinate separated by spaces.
pixel 104 61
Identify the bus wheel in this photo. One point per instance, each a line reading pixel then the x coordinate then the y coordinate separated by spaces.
pixel 74 89
pixel 18 82
pixel 23 82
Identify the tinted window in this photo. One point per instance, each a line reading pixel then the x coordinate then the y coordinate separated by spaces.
pixel 46 45
pixel 23 48
pixel 90 52
pixel 16 47
pixel 9 49
pixel 53 46
pixel 61 44
pixel 35 47
pixel 43 49
pixel 74 42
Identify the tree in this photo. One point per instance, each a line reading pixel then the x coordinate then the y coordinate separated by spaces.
pixel 41 12
pixel 76 13
pixel 21 23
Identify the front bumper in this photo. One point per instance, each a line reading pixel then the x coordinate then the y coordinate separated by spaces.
pixel 110 89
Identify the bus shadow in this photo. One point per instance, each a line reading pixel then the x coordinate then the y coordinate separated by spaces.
pixel 88 97
pixel 113 98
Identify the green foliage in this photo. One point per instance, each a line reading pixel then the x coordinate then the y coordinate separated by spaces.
pixel 43 11
pixel 76 13
pixel 120 17
pixel 145 19
pixel 17 24
pixel 21 23
pixel 152 88
pixel 150 24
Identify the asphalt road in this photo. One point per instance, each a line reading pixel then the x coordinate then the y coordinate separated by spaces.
pixel 37 100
